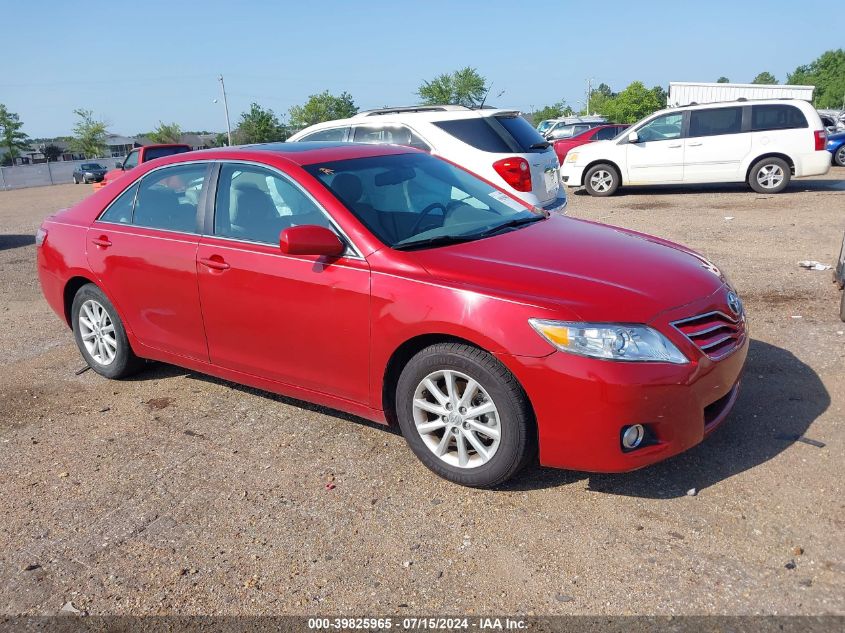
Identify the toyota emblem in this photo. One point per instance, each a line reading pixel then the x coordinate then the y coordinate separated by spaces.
pixel 734 303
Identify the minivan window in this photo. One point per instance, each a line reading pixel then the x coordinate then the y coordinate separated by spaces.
pixel 475 132
pixel 168 198
pixel 776 117
pixel 336 134
pixel 716 121
pixel 663 128
pixel 527 138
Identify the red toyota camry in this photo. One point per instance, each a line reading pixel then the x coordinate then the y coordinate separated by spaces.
pixel 388 283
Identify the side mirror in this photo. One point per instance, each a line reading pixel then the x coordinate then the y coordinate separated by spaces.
pixel 633 137
pixel 310 239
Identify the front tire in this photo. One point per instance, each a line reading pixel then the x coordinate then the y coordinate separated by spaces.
pixel 769 175
pixel 75 180
pixel 601 180
pixel 100 335
pixel 464 415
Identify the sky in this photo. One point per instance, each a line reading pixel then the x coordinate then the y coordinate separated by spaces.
pixel 137 63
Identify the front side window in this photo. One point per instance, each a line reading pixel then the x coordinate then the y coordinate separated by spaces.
pixel 335 134
pixel 418 201
pixel 776 117
pixel 168 198
pixel 715 122
pixel 256 204
pixel 131 160
pixel 120 211
pixel 663 128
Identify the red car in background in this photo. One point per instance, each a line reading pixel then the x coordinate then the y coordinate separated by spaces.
pixel 386 282
pixel 599 133
pixel 141 155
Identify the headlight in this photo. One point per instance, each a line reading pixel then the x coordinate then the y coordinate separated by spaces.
pixel 609 341
pixel 571 157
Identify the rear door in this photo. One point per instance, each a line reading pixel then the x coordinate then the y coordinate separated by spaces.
pixel 715 145
pixel 658 156
pixel 143 251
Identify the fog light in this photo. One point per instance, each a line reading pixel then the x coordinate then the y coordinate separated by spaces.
pixel 632 436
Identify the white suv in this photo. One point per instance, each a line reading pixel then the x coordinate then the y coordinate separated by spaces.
pixel 763 143
pixel 498 145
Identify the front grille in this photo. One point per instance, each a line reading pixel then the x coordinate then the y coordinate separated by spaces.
pixel 715 333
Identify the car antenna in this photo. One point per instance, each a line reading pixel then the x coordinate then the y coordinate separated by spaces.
pixel 489 88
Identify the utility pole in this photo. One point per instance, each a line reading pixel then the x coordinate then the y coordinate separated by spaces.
pixel 226 108
pixel 589 93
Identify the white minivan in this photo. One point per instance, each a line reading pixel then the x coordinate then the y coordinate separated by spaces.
pixel 763 143
pixel 498 145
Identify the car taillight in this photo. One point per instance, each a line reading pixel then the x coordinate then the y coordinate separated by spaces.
pixel 40 236
pixel 821 140
pixel 515 171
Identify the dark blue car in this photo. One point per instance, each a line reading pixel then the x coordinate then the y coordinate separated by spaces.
pixel 836 146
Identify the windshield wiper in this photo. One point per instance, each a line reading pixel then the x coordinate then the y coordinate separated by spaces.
pixel 440 240
pixel 510 224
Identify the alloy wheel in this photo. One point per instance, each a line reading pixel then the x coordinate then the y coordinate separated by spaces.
pixel 840 156
pixel 601 180
pixel 769 176
pixel 456 419
pixel 96 329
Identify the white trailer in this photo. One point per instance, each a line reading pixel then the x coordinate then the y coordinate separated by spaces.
pixel 683 93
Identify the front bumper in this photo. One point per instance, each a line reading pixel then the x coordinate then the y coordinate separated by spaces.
pixel 93 177
pixel 571 174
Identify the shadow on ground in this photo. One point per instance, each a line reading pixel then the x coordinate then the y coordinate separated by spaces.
pixel 15 241
pixel 796 186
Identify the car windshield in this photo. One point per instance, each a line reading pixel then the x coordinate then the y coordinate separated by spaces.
pixel 419 201
pixel 91 166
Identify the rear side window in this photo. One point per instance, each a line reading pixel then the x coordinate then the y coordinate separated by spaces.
pixel 776 117
pixel 477 133
pixel 527 138
pixel 396 134
pixel 120 211
pixel 336 134
pixel 168 198
pixel 605 134
pixel 715 122
pixel 158 152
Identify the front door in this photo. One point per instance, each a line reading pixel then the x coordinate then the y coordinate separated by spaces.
pixel 143 251
pixel 658 156
pixel 299 320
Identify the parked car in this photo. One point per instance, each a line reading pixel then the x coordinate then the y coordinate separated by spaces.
pixel 836 146
pixel 498 145
pixel 391 284
pixel 763 143
pixel 141 155
pixel 567 127
pixel 88 172
pixel 598 133
pixel 839 277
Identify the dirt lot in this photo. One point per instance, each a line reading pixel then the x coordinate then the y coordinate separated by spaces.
pixel 178 493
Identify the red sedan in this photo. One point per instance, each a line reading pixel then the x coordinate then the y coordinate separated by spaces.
pixel 598 133
pixel 391 284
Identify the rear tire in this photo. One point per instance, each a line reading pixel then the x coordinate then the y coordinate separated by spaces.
pixel 100 335
pixel 839 156
pixel 601 180
pixel 464 415
pixel 75 181
pixel 769 175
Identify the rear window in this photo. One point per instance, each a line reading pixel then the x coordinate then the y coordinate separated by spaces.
pixel 776 117
pixel 522 132
pixel 158 152
pixel 477 133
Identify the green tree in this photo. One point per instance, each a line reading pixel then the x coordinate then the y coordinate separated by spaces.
pixel 259 126
pixel 633 103
pixel 51 152
pixel 765 77
pixel 166 133
pixel 553 111
pixel 322 107
pixel 89 135
pixel 827 74
pixel 723 80
pixel 13 139
pixel 464 87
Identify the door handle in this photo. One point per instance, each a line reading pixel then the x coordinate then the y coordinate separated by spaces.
pixel 215 262
pixel 695 144
pixel 102 241
pixel 674 146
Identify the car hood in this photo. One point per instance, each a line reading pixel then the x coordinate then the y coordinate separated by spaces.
pixel 593 271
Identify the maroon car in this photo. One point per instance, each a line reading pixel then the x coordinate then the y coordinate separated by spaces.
pixel 598 133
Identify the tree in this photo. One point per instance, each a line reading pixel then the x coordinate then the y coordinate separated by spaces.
pixel 599 97
pixel 723 80
pixel 259 126
pixel 827 74
pixel 322 107
pixel 464 87
pixel 764 77
pixel 89 135
pixel 51 152
pixel 554 111
pixel 633 103
pixel 166 133
pixel 13 139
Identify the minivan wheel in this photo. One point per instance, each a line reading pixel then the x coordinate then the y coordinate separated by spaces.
pixel 601 180
pixel 769 175
pixel 100 335
pixel 464 415
pixel 839 156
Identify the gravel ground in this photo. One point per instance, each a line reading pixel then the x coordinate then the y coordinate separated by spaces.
pixel 174 492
